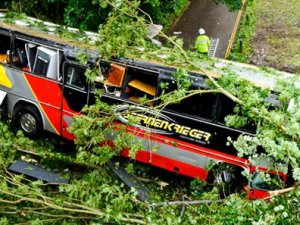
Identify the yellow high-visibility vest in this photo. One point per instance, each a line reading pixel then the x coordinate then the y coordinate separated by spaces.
pixel 202 43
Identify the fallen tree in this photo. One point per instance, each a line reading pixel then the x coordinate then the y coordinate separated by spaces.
pixel 97 197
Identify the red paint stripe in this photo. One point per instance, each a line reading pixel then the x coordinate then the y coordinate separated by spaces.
pixel 256 193
pixel 48 95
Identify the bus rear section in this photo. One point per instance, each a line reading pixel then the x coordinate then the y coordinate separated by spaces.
pixel 186 137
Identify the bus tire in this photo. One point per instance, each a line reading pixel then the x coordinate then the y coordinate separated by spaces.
pixel 28 119
pixel 224 177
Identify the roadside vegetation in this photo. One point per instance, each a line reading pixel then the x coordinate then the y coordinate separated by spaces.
pixel 276 42
pixel 269 35
pixel 95 196
pixel 242 50
pixel 87 15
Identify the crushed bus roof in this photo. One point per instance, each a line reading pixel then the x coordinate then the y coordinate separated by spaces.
pixel 72 39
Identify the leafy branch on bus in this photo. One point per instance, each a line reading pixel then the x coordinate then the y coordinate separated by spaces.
pixel 278 128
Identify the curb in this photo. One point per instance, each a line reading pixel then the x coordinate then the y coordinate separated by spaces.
pixel 235 29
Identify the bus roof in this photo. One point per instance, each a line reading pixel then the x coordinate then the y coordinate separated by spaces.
pixel 70 39
pixel 49 31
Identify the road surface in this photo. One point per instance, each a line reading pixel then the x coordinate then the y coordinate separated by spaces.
pixel 215 19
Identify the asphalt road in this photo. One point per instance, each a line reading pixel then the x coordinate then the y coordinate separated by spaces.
pixel 215 19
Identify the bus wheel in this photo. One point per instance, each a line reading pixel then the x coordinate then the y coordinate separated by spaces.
pixel 223 176
pixel 28 120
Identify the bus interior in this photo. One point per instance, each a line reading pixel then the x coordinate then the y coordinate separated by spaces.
pixel 31 57
pixel 131 83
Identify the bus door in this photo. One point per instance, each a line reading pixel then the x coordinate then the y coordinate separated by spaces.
pixel 75 94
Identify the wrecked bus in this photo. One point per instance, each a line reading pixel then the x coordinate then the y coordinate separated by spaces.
pixel 43 86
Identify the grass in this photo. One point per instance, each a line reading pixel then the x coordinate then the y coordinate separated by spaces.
pixel 277 31
pixel 242 49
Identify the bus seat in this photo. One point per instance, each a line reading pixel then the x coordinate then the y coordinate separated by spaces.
pixel 116 75
pixel 3 58
pixel 21 54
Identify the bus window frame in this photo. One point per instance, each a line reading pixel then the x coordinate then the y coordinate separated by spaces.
pixel 211 119
pixel 218 115
pixel 25 38
pixel 64 76
pixel 80 102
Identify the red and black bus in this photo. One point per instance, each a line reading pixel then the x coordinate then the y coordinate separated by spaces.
pixel 43 86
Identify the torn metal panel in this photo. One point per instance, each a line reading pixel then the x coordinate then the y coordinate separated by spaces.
pixel 37 172
pixel 131 181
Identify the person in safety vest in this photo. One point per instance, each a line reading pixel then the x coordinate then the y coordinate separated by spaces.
pixel 202 43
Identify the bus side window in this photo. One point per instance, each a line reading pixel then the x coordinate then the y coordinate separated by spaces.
pixel 196 105
pixel 75 77
pixel 75 89
pixel 225 107
pixel 40 60
pixel 140 84
pixel 4 48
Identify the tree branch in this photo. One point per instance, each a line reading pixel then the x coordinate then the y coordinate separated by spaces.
pixel 196 202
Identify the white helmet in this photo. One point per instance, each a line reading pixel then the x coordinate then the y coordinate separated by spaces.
pixel 201 31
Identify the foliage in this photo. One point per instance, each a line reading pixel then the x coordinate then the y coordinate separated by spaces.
pixel 242 50
pixel 44 9
pixel 121 31
pixel 85 15
pixel 98 197
pixel 277 130
pixel 163 12
pixel 95 126
pixel 231 4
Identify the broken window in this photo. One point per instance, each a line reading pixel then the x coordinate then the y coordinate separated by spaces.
pixel 75 77
pixel 19 53
pixel 40 60
pixel 140 84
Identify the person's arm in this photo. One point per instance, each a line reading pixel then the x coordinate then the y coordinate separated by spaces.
pixel 196 43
